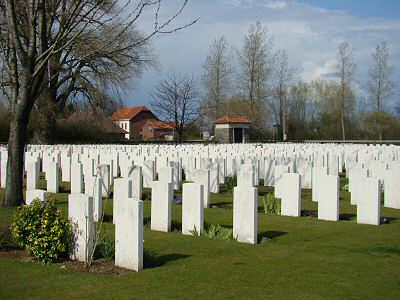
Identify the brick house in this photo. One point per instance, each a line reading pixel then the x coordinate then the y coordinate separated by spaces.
pixel 158 130
pixel 134 119
pixel 232 130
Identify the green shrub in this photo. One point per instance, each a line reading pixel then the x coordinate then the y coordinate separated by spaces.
pixel 271 204
pixel 219 232
pixel 42 230
pixel 106 246
pixel 231 182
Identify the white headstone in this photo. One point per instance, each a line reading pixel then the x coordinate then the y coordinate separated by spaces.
pixel 36 194
pixel 280 170
pixel 135 175
pixel 192 208
pixel 203 177
pixel 214 177
pixel 392 189
pixel 148 173
pixel 122 190
pixel 65 168
pixel 162 194
pixel 317 191
pixel 328 203
pixel 269 172
pixel 76 178
pixel 105 175
pixel 3 169
pixel 245 214
pixel 129 235
pixel 291 195
pixel 369 204
pixel 53 177
pixel 32 176
pixel 93 188
pixel 80 212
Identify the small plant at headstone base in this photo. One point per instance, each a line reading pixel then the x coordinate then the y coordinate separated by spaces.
pixel 103 249
pixel 106 247
pixel 42 230
pixel 6 240
pixel 212 231
pixel 231 182
pixel 271 205
pixel 177 200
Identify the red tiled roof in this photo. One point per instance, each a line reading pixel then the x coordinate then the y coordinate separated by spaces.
pixel 128 113
pixel 159 124
pixel 227 120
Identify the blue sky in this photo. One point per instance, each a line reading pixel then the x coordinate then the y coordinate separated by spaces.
pixel 309 29
pixel 362 8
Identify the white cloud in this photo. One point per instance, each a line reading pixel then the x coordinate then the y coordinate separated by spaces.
pixel 275 4
pixel 313 70
pixel 310 34
pixel 272 4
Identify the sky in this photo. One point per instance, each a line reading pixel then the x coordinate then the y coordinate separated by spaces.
pixel 310 30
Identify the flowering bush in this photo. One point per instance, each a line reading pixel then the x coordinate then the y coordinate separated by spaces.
pixel 42 230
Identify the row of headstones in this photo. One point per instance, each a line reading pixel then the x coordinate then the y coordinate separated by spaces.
pixel 365 194
pixel 333 157
pixel 272 173
pixel 391 196
pixel 332 161
pixel 128 214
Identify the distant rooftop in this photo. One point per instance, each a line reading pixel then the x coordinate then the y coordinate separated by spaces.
pixel 160 124
pixel 128 113
pixel 230 120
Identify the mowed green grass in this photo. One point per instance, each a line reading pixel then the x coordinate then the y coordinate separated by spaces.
pixel 298 258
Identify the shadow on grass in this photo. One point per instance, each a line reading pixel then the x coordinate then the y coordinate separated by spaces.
pixel 269 235
pixel 387 220
pixel 107 218
pixel 222 204
pixel 311 213
pixel 176 226
pixel 347 217
pixel 64 190
pixel 380 250
pixel 151 260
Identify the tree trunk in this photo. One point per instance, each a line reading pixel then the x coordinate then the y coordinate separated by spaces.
pixel 343 130
pixel 45 131
pixel 284 129
pixel 15 164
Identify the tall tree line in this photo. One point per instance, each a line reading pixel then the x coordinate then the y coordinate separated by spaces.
pixel 259 83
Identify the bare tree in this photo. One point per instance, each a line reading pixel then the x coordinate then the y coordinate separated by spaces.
pixel 299 103
pixel 380 85
pixel 176 98
pixel 255 64
pixel 96 79
pixel 33 32
pixel 282 80
pixel 345 69
pixel 217 76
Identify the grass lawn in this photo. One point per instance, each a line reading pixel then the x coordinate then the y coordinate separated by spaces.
pixel 298 258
